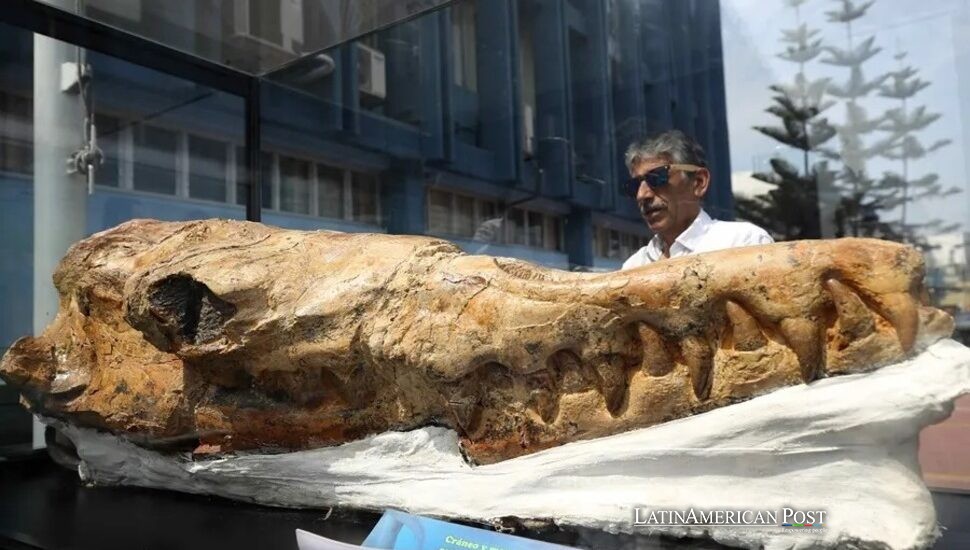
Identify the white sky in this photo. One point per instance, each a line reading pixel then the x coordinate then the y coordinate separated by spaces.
pixel 931 33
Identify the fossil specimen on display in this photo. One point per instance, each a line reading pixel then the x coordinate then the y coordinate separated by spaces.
pixel 217 336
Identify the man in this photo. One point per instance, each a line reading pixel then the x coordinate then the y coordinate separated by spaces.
pixel 669 178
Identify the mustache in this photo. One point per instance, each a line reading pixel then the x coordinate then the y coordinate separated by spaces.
pixel 648 207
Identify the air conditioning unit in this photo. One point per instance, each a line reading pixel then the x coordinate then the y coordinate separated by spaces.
pixel 528 129
pixel 274 26
pixel 371 78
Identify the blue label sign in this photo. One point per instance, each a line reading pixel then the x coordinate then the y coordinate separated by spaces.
pixel 401 531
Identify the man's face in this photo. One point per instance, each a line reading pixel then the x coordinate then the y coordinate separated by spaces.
pixel 674 205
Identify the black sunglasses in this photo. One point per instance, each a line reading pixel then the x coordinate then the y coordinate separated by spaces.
pixel 658 177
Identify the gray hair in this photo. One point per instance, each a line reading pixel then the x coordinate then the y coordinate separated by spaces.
pixel 673 145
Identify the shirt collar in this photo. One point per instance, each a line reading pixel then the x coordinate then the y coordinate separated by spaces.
pixel 688 239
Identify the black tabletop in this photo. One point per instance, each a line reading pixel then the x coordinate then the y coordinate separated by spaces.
pixel 43 505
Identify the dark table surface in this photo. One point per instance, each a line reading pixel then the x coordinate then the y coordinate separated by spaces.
pixel 45 506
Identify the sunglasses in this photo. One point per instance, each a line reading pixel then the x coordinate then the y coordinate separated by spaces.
pixel 658 177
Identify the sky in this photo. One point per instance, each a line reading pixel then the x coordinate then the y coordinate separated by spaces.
pixel 936 37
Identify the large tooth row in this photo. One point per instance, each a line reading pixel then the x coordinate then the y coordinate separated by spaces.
pixel 566 374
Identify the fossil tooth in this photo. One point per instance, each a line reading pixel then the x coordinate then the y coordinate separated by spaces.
pixel 900 309
pixel 745 330
pixel 70 382
pixel 855 319
pixel 656 359
pixel 805 339
pixel 612 383
pixel 468 413
pixel 573 376
pixel 699 358
pixel 542 396
pixel 934 324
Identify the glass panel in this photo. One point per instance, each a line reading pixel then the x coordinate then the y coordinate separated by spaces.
pixel 241 189
pixel 816 120
pixel 535 229
pixel 516 221
pixel 439 211
pixel 16 133
pixel 364 193
pixel 464 216
pixel 162 144
pixel 207 169
pixel 488 223
pixel 155 150
pixel 552 233
pixel 109 136
pixel 614 245
pixel 268 179
pixel 394 54
pixel 330 199
pixel 255 36
pixel 464 45
pixel 294 185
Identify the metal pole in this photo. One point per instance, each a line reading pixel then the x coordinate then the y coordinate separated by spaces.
pixel 60 198
pixel 253 157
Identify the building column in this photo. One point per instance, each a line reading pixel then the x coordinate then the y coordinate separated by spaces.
pixel 60 198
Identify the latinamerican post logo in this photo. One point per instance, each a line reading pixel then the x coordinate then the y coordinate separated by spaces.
pixel 787 518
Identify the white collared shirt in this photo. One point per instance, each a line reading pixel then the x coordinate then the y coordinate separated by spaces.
pixel 703 235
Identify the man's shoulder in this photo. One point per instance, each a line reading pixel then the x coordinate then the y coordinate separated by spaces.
pixel 639 258
pixel 740 232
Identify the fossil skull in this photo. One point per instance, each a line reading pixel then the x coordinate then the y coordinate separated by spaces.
pixel 222 335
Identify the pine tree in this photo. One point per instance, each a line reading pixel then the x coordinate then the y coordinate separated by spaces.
pixel 902 125
pixel 790 210
pixel 862 197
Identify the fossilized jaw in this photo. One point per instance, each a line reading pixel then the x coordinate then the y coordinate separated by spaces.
pixel 661 342
pixel 173 329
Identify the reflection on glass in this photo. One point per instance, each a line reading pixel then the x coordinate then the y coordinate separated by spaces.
pixel 553 236
pixel 16 133
pixel 464 216
pixel 269 180
pixel 164 144
pixel 294 185
pixel 390 55
pixel 516 226
pixel 463 46
pixel 207 169
pixel 536 230
pixel 254 36
pixel 439 212
pixel 364 198
pixel 154 159
pixel 488 223
pixel 109 136
pixel 330 196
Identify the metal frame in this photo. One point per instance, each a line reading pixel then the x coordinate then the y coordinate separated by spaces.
pixel 80 31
